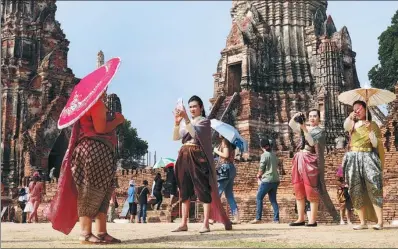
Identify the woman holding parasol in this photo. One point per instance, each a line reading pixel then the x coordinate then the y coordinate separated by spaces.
pixel 88 169
pixel 363 163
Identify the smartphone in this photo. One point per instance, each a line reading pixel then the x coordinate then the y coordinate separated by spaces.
pixel 180 104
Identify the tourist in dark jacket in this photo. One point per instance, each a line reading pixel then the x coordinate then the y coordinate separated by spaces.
pixel 171 184
pixel 157 190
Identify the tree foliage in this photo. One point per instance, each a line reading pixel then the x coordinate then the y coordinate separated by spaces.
pixel 385 74
pixel 133 146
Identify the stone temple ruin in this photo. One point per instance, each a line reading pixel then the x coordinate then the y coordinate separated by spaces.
pixel 280 57
pixel 36 83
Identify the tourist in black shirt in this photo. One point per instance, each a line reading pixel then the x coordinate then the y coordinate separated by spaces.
pixel 142 197
pixel 171 184
pixel 157 190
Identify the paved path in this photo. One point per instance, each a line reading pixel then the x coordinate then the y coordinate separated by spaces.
pixel 245 235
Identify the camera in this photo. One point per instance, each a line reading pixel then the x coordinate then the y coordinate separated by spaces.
pixel 300 119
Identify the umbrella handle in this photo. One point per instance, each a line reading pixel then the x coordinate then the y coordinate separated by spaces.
pixel 366 102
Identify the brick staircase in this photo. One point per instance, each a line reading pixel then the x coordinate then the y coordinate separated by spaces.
pixel 161 216
pixel 223 107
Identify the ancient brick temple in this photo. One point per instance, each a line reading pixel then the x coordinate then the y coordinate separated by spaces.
pixel 36 83
pixel 282 57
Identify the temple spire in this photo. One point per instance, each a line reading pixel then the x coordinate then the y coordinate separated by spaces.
pixel 100 59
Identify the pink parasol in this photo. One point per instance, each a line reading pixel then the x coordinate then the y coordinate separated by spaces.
pixel 86 93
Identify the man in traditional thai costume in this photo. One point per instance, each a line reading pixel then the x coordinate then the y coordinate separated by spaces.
pixel 308 168
pixel 194 168
pixel 363 166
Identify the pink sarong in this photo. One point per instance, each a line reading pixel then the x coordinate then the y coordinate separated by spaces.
pixel 305 176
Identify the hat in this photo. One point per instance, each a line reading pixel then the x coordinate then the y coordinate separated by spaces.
pixel 36 174
pixel 131 182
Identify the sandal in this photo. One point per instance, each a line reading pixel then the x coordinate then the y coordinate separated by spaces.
pixel 108 239
pixel 87 238
pixel 204 230
pixel 180 229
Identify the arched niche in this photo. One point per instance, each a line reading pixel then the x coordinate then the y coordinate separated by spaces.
pixel 57 153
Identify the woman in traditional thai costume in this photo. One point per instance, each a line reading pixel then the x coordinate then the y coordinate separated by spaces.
pixel 308 165
pixel 363 166
pixel 194 168
pixel 93 169
pixel 36 188
pixel 88 175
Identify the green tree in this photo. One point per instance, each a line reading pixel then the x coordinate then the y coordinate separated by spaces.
pixel 385 74
pixel 133 146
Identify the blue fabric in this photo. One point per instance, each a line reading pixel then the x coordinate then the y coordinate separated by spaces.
pixel 227 186
pixel 270 189
pixel 142 212
pixel 131 194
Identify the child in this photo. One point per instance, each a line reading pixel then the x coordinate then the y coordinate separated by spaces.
pixel 343 198
pixel 113 205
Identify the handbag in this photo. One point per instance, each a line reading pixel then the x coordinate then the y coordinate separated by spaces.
pixel 222 172
pixel 341 197
pixel 28 208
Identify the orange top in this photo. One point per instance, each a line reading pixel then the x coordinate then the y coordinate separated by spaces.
pixel 231 156
pixel 87 129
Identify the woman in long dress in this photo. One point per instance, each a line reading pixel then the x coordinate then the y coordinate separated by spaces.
pixel 308 168
pixel 36 193
pixel 363 166
pixel 88 176
pixel 194 168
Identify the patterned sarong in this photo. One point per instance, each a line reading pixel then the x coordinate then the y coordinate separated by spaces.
pixel 193 173
pixel 305 176
pixel 363 173
pixel 93 170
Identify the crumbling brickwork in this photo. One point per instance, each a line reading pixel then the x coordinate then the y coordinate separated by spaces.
pixel 36 82
pixel 281 57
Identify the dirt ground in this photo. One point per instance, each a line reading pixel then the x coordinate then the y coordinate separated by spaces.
pixel 158 235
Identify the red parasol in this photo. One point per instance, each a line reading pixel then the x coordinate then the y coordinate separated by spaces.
pixel 86 93
pixel 170 165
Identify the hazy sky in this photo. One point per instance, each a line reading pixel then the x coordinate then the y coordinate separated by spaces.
pixel 171 49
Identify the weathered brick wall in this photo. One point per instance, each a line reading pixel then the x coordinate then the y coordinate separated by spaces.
pixel 246 188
